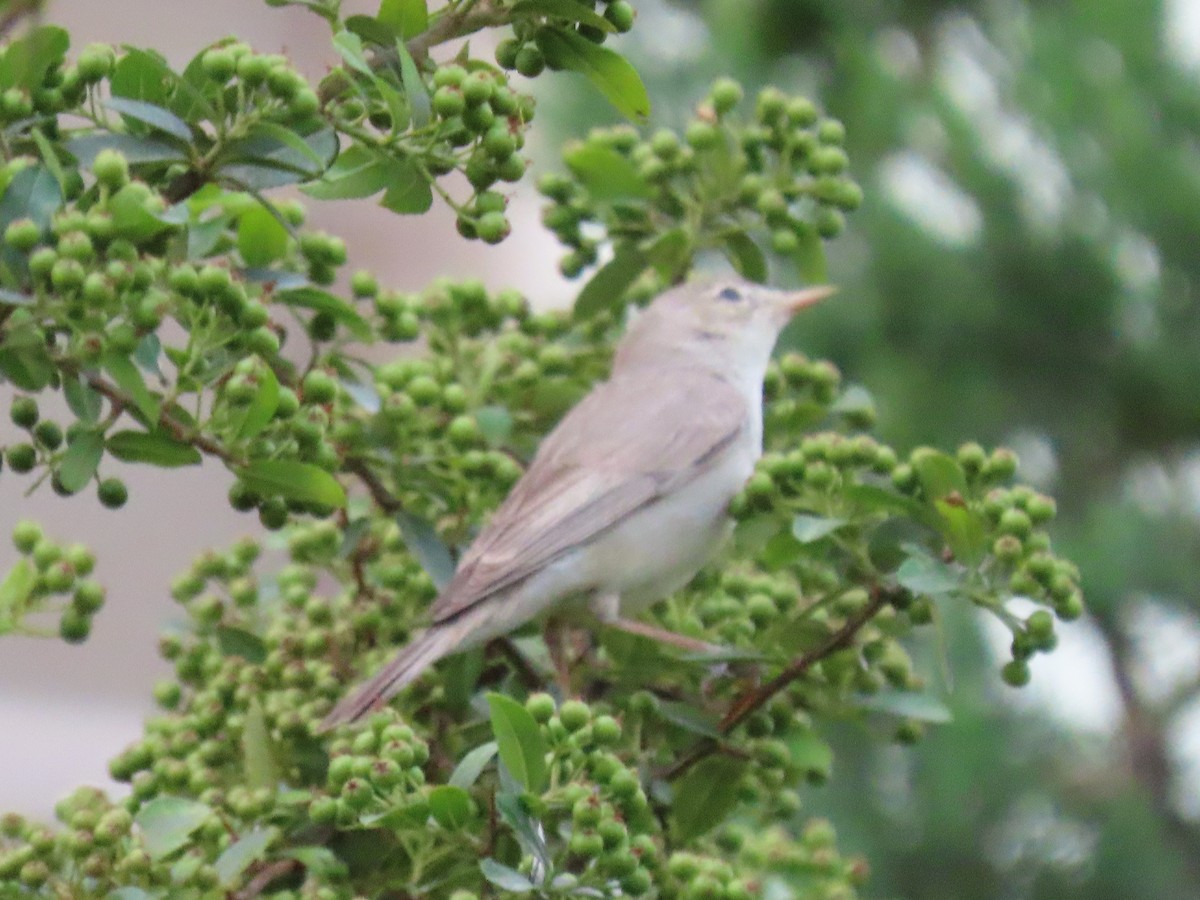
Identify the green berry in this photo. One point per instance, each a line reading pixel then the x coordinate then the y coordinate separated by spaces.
pixel 112 493
pixel 48 434
pixel 530 62
pixel 218 64
pixel 21 458
pixel 1015 673
pixel 621 14
pixel 24 412
pixel 540 706
pixel 74 627
pixel 319 387
pixel 493 227
pixel 574 714
pixel 506 53
pixel 88 597
pixel 22 235
pixel 26 535
pixel 726 94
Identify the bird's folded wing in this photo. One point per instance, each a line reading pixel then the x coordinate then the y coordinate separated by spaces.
pixel 628 442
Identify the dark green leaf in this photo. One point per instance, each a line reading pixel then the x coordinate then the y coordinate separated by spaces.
pixel 939 473
pixel 130 380
pixel 810 753
pixel 414 88
pixel 705 796
pixel 467 772
pixel 810 257
pixel 371 30
pixel 610 72
pixel 195 93
pixel 873 499
pixel 410 191
pixel 922 574
pixel 423 543
pixel 243 853
pixel 155 116
pixel 746 256
pixel 136 149
pixel 450 806
pixel 406 17
pixel 319 300
pixel 239 642
pixel 29 368
pixel 258 752
pixel 807 529
pixel 291 480
pixel 49 155
pixel 79 463
pixel 519 741
pixel 261 237
pixel 142 75
pixel 606 174
pixel 505 878
pixel 571 10
pixel 265 158
pixel 670 254
pixel 688 717
pixel 153 447
pixel 605 290
pixel 82 400
pixel 262 407
pixel 167 823
pixel 146 354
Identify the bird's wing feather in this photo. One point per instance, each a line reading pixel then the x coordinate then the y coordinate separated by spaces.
pixel 628 442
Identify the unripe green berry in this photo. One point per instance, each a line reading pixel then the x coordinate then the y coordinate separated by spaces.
pixel 726 94
pixel 112 493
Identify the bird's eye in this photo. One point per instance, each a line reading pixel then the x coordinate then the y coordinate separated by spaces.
pixel 732 294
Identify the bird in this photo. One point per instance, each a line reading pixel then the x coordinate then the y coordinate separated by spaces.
pixel 626 498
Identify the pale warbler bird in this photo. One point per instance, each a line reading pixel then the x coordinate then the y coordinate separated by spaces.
pixel 626 498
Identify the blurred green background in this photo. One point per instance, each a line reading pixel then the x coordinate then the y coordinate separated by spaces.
pixel 1025 270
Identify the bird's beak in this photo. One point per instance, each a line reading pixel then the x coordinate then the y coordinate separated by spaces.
pixel 798 300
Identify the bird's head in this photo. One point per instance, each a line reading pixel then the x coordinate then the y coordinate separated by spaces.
pixel 724 319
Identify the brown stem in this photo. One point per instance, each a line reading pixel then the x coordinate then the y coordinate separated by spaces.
pixel 269 873
pixel 383 498
pixel 755 698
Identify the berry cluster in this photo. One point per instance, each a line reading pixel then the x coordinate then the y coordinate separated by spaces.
pixel 48 569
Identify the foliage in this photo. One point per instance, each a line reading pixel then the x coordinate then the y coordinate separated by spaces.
pixel 186 315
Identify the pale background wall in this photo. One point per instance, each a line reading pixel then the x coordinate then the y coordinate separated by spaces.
pixel 64 710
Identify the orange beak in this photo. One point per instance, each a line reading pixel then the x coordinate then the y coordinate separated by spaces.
pixel 799 300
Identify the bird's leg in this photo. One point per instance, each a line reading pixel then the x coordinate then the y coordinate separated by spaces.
pixel 554 633
pixel 607 608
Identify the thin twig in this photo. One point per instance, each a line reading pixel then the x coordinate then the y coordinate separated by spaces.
pixel 755 698
pixel 383 498
pixel 259 883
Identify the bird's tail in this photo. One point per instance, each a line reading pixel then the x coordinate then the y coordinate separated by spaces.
pixel 407 665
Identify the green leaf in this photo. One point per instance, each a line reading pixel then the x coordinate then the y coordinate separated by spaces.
pixel 855 400
pixel 496 423
pixel 350 48
pixel 27 60
pixel 152 447
pixel 410 191
pixel 423 543
pixel 261 237
pixel 610 72
pixel 688 717
pixel 405 17
pixel 810 753
pixel 505 878
pixel 355 173
pixel 15 590
pixel 234 641
pixel 29 368
pixel 130 380
pixel 266 159
pixel 151 114
pixel 529 832
pixel 260 410
pixel 807 529
pixel 451 806
pixel 135 148
pixel 519 741
pixel 746 256
pixel 571 10
pixel 605 290
pixel 291 480
pixel 49 156
pixel 607 174
pixel 258 752
pixel 142 75
pixel 130 217
pixel 923 707
pixel 33 193
pixel 467 772
pixel 705 796
pixel 810 257
pixel 939 473
pixel 963 529
pixel 322 301
pixel 79 463
pixel 371 30
pixel 922 574
pixel 670 254
pixel 414 88
pixel 318 860
pixel 167 824
pixel 243 853
pixel 83 401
